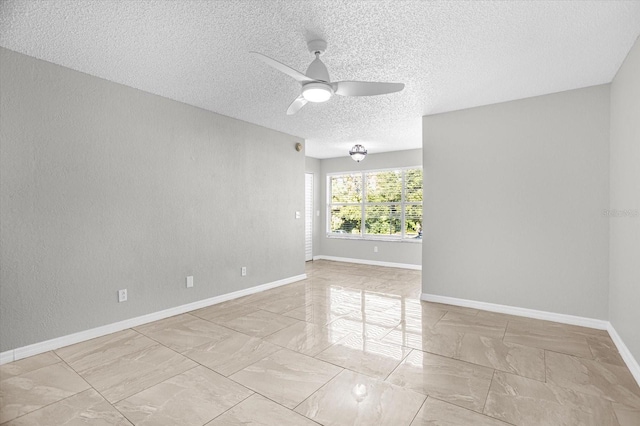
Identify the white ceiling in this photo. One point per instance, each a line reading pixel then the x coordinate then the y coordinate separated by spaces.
pixel 450 55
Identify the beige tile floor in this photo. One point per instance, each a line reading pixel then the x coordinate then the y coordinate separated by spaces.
pixel 350 345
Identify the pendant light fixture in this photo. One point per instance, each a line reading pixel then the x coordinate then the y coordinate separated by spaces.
pixel 358 152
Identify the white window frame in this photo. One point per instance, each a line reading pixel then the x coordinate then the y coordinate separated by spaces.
pixel 363 236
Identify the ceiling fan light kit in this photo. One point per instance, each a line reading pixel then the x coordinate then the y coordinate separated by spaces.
pixel 316 92
pixel 316 85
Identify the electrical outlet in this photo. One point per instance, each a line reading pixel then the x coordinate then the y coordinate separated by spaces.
pixel 190 281
pixel 375 249
pixel 243 271
pixel 122 295
pixel 297 215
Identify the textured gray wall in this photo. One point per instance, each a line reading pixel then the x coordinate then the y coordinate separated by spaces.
pixel 515 193
pixel 396 252
pixel 624 278
pixel 105 187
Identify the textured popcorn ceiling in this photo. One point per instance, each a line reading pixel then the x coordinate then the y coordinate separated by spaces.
pixel 450 55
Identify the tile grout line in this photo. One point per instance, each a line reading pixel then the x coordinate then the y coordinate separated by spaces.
pixel 464 361
pixel 256 392
pixel 112 405
pixel 580 391
pixel 577 356
pixel 60 400
pixel 275 402
pixel 168 378
pixel 413 419
pixel 39 368
pixel 318 390
pixel 198 365
pixel 562 353
pixel 237 331
pixel 230 408
pixel 208 368
pixel 473 411
pixel 104 363
pixel 486 398
pixel 409 352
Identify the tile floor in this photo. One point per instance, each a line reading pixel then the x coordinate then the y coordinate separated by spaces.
pixel 350 345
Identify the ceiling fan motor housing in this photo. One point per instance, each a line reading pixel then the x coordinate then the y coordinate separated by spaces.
pixel 317 70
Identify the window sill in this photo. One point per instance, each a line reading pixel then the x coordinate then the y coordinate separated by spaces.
pixel 373 238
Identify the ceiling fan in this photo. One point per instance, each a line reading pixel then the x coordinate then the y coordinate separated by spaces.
pixel 316 86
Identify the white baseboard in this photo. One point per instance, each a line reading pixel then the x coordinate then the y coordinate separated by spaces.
pixel 70 339
pixel 6 357
pixel 369 262
pixel 625 353
pixel 521 312
pixel 628 358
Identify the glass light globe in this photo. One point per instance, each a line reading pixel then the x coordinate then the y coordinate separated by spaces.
pixel 358 152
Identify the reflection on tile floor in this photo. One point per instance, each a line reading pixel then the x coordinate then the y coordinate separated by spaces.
pixel 350 345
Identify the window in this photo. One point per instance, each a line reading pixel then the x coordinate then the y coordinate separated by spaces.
pixel 375 204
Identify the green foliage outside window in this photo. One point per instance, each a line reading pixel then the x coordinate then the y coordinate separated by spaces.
pixel 383 197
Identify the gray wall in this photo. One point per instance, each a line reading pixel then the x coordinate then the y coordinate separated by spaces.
pixel 105 187
pixel 396 252
pixel 312 165
pixel 515 193
pixel 624 274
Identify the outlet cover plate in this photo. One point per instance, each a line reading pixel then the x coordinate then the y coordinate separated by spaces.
pixel 122 295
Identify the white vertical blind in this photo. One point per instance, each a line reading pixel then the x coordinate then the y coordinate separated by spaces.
pixel 308 216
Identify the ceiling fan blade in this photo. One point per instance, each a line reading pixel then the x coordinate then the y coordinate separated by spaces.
pixel 365 88
pixel 295 106
pixel 283 68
